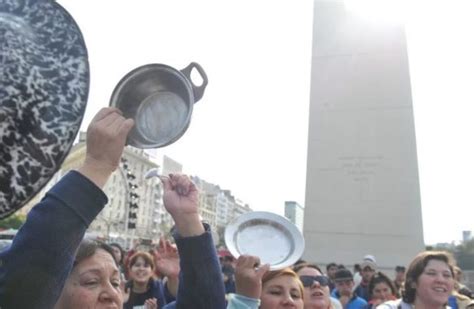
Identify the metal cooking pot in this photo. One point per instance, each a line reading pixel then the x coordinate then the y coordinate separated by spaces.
pixel 160 99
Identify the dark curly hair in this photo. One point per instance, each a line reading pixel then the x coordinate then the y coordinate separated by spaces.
pixel 380 277
pixel 416 268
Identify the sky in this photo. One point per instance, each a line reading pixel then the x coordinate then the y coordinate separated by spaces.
pixel 249 133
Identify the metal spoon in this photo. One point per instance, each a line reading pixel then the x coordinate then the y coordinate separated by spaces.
pixel 152 173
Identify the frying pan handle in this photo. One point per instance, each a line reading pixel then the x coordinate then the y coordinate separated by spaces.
pixel 197 90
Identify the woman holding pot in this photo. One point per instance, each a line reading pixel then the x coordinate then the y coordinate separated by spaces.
pixel 95 278
pixel 429 282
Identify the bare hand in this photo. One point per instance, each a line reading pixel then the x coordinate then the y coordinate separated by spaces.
pixel 167 259
pixel 180 198
pixel 150 303
pixel 248 279
pixel 180 195
pixel 106 136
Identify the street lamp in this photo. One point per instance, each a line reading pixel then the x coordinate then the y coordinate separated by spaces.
pixel 131 197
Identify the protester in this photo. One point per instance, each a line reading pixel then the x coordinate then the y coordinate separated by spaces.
pixel 331 269
pixel 228 272
pixel 381 289
pixel 344 290
pixel 93 280
pixel 368 268
pixel 316 287
pixel 459 286
pixel 260 288
pixel 119 255
pixel 429 282
pixel 399 280
pixel 33 270
pixel 142 287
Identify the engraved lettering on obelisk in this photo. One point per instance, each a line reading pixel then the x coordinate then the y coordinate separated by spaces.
pixel 362 167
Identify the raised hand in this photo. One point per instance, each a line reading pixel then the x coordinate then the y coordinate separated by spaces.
pixel 248 278
pixel 106 136
pixel 167 258
pixel 180 198
pixel 151 303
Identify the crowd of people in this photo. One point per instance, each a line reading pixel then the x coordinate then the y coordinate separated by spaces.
pixel 430 281
pixel 51 265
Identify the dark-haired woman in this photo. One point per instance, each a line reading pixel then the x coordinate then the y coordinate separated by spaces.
pixel 381 289
pixel 119 255
pixel 95 278
pixel 429 282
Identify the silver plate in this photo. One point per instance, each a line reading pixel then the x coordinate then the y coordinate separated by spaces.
pixel 271 237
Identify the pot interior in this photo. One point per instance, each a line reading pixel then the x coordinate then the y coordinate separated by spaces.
pixel 160 101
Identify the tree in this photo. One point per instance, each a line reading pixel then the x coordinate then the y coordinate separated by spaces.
pixel 464 254
pixel 12 222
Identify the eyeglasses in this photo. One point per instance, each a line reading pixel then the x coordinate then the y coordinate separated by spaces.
pixel 309 280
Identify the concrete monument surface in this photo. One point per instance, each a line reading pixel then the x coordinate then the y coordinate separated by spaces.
pixel 362 189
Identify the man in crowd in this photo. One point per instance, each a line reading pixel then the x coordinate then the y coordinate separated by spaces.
pixel 399 279
pixel 368 268
pixel 344 281
pixel 331 269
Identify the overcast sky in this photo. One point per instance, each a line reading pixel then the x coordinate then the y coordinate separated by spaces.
pixel 249 132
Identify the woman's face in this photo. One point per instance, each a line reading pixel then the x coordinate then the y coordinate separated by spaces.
pixel 141 271
pixel 435 284
pixel 281 292
pixel 382 291
pixel 117 254
pixel 93 283
pixel 316 295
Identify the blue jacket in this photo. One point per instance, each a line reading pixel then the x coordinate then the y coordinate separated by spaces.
pixel 362 291
pixel 355 303
pixel 34 269
pixel 237 301
pixel 200 280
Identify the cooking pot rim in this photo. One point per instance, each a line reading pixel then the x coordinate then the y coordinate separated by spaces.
pixel 137 139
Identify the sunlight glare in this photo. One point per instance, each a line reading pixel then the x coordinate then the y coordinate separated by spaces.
pixel 379 11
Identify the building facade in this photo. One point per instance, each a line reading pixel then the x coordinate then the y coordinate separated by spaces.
pixel 295 213
pixel 218 207
pixel 135 209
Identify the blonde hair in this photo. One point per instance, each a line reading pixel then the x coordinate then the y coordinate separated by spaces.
pixel 283 272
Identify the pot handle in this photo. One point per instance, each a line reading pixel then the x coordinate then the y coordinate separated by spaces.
pixel 198 91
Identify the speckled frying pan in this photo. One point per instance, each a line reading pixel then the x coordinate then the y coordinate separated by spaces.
pixel 44 84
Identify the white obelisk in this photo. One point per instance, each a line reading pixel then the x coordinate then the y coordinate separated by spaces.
pixel 362 189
